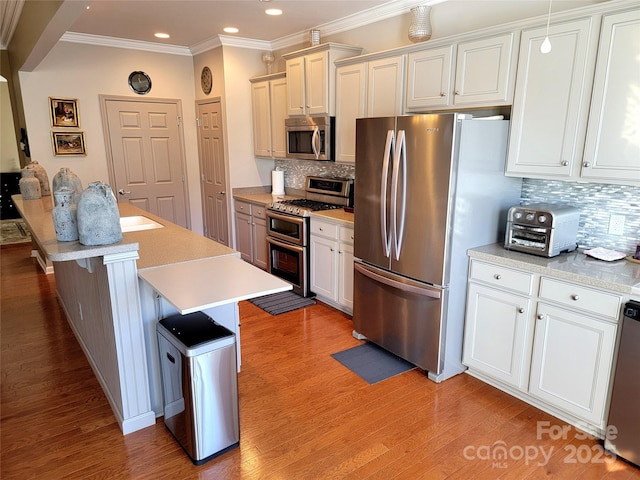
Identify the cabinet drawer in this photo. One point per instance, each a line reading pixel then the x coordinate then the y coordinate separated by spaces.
pixel 258 211
pixel 346 234
pixel 596 302
pixel 244 207
pixel 329 230
pixel 501 277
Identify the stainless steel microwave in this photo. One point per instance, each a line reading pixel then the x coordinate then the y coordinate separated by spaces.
pixel 310 138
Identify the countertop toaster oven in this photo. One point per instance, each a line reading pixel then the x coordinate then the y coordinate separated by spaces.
pixel 543 229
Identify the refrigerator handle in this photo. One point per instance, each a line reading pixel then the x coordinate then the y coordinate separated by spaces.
pixel 384 230
pixel 399 166
pixel 315 142
pixel 425 292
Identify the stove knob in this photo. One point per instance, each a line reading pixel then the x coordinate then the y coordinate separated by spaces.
pixel 297 210
pixel 517 215
pixel 530 216
pixel 542 218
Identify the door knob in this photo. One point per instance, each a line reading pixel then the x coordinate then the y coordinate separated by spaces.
pixel 220 193
pixel 122 192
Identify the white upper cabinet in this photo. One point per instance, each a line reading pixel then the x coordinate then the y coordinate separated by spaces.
pixel 311 77
pixel 482 75
pixel 429 78
pixel 385 80
pixel 296 99
pixel 269 109
pixel 612 149
pixel 485 71
pixel 550 107
pixel 350 105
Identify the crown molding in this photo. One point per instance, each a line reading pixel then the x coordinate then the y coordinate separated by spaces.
pixel 104 41
pixel 366 17
pixel 10 11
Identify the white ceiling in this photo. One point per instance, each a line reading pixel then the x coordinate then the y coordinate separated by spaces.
pixel 193 22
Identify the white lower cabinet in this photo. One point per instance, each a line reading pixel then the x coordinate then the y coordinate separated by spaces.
pixel 572 361
pixel 548 341
pixel 331 252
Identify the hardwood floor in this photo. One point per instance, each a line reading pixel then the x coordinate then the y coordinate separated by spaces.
pixel 302 414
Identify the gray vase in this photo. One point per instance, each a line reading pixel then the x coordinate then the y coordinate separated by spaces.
pixel 41 175
pixel 64 215
pixel 98 216
pixel 66 178
pixel 29 185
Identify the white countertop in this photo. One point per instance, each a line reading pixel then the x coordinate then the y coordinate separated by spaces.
pixel 619 276
pixel 198 285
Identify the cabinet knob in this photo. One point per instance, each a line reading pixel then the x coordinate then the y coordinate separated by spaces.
pixel 575 297
pixel 540 316
pixel 442 94
pixel 587 164
pixel 521 310
pixel 332 249
pixel 321 229
pixel 497 276
pixel 564 163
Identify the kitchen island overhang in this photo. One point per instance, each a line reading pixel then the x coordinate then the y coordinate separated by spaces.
pixel 113 311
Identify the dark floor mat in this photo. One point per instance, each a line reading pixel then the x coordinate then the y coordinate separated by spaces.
pixel 372 363
pixel 282 302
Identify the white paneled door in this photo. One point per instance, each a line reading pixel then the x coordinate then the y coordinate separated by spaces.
pixel 213 171
pixel 146 156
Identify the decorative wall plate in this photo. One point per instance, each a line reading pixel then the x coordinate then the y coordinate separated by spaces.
pixel 206 80
pixel 140 82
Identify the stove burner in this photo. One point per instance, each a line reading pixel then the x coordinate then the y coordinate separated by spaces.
pixel 312 205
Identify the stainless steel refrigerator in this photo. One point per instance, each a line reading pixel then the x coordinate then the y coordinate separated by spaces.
pixel 427 188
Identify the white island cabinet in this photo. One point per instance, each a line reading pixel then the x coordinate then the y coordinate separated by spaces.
pixel 113 310
pixel 545 330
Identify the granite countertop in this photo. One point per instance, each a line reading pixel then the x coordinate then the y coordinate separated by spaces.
pixel 619 276
pixel 262 195
pixel 157 247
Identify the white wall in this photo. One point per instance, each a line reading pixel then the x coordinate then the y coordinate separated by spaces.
pixel 84 72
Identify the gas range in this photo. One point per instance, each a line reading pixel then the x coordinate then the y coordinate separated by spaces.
pixel 301 207
pixel 322 193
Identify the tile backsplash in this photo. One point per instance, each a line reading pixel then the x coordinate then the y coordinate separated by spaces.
pixel 595 201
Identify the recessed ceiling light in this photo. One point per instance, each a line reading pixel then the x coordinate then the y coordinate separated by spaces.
pixel 162 35
pixel 231 29
pixel 273 11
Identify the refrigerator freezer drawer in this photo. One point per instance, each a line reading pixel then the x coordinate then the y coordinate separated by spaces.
pixel 392 311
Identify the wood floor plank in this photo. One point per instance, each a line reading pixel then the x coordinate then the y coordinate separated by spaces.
pixel 303 415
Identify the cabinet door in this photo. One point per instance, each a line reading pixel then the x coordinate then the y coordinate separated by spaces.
pixel 485 71
pixel 549 116
pixel 317 83
pixel 278 103
pixel 498 331
pixel 345 276
pixel 243 236
pixel 350 104
pixel 324 273
pixel 612 150
pixel 385 87
pixel 571 362
pixel 295 86
pixel 261 119
pixel 260 248
pixel 429 75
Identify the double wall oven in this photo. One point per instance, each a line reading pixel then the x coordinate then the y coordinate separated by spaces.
pixel 288 228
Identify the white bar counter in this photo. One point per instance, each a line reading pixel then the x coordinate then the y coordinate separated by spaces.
pixel 113 309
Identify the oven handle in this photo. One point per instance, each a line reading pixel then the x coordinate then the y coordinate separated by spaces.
pixel 288 218
pixel 285 245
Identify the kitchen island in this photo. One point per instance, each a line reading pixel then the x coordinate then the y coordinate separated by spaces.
pixel 113 309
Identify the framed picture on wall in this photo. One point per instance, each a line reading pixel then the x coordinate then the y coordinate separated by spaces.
pixel 68 143
pixel 64 112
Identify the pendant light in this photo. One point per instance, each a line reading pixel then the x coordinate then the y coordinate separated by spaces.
pixel 546 44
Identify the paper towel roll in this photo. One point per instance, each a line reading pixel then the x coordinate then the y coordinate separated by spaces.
pixel 277 182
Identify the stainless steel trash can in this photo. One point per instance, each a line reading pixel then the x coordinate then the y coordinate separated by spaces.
pixel 200 384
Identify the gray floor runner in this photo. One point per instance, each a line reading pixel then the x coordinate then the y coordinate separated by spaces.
pixel 282 302
pixel 372 363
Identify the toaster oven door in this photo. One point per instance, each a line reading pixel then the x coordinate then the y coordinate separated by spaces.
pixel 528 239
